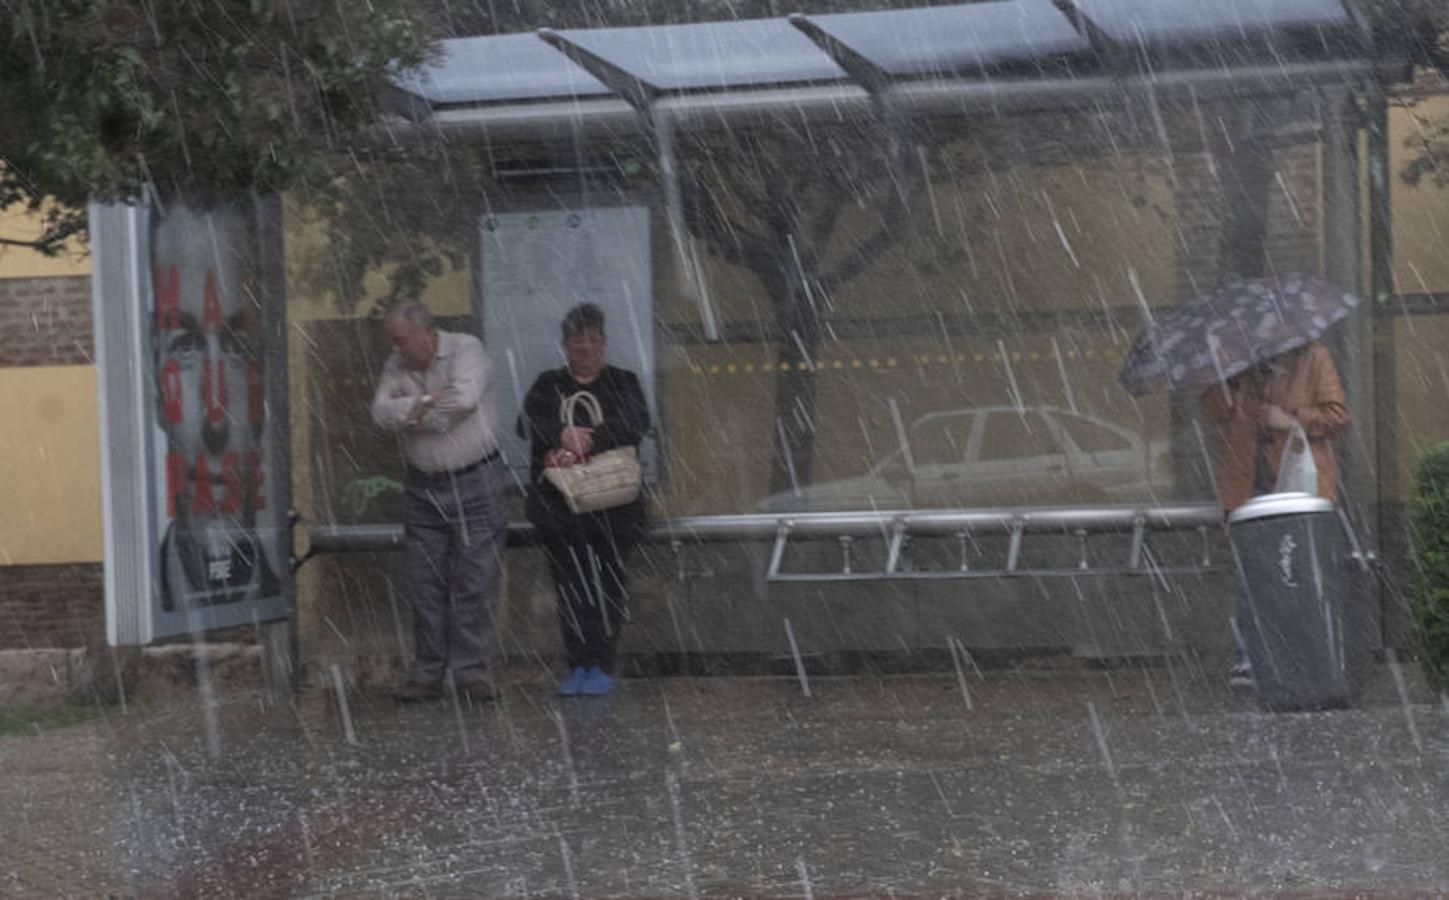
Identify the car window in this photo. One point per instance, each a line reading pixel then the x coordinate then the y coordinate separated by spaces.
pixel 940 441
pixel 1013 435
pixel 1092 437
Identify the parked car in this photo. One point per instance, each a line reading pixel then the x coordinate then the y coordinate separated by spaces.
pixel 998 456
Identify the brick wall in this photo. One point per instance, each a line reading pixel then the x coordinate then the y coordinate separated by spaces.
pixel 45 321
pixel 52 606
pixel 1294 217
pixel 1291 212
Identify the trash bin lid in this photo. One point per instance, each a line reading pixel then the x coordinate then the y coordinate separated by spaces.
pixel 1286 504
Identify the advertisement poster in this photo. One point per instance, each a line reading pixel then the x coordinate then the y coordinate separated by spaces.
pixel 217 504
pixel 539 264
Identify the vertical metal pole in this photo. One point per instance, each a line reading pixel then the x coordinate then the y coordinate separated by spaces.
pixel 1392 512
pixel 278 638
pixel 119 304
pixel 694 281
pixel 1343 253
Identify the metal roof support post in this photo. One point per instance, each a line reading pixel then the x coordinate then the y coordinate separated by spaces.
pixel 685 248
pixel 1393 521
pixel 641 95
pixel 862 71
pixel 1353 340
pixel 874 80
pixel 1102 44
pixel 634 90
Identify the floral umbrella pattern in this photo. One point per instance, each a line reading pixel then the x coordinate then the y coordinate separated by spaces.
pixel 1239 324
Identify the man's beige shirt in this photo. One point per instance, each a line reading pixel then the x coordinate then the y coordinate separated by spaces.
pixel 460 428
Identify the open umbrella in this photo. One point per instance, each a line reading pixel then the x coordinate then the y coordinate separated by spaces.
pixel 1243 322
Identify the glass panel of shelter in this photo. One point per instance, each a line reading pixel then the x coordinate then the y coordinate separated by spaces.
pixel 1026 298
pixel 1014 280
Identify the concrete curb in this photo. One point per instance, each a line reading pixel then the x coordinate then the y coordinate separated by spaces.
pixel 46 676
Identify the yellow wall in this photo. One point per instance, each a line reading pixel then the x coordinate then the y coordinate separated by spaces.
pixel 1421 266
pixel 50 473
pixel 18 262
pixel 1421 212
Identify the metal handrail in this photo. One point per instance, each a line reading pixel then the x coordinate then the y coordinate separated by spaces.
pixel 894 527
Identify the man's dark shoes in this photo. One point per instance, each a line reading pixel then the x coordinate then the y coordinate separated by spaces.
pixel 418 692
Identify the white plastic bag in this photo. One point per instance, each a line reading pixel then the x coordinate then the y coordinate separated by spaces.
pixel 1296 472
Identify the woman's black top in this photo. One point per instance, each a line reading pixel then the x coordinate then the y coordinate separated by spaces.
pixel 626 418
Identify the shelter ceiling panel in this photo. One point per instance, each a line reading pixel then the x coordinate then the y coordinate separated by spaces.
pixel 940 40
pixel 711 54
pixel 1278 26
pixel 500 68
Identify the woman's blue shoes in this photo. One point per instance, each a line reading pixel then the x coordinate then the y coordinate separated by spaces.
pixel 574 683
pixel 597 682
pixel 593 681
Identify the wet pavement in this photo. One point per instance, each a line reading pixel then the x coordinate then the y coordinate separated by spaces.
pixel 1083 781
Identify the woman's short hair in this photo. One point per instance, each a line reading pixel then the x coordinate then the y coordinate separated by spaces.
pixel 582 318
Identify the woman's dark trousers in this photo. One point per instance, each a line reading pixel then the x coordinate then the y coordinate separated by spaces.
pixel 588 568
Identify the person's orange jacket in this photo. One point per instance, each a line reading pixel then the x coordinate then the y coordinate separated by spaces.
pixel 1304 386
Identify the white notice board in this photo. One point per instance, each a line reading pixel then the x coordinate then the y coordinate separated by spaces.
pixel 538 264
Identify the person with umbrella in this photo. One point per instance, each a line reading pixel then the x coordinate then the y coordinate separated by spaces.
pixel 1258 412
pixel 1259 409
pixel 1252 344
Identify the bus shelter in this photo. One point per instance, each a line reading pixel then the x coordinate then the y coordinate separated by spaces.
pixel 878 270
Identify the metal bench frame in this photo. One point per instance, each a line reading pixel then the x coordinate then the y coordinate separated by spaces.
pixel 895 527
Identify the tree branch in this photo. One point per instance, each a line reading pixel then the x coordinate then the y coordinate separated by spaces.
pixel 824 226
pixel 860 258
pixel 50 243
pixel 735 245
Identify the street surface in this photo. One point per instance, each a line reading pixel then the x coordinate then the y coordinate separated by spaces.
pixel 1093 782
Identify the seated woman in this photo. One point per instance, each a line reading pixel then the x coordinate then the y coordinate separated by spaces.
pixel 586 551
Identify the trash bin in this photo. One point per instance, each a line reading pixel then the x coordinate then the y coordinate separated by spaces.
pixel 1299 574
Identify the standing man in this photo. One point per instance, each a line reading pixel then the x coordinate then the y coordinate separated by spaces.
pixel 436 393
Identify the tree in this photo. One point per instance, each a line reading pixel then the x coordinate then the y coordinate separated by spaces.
pixel 207 97
pixel 411 211
pixel 776 202
pixel 1418 32
pixel 104 97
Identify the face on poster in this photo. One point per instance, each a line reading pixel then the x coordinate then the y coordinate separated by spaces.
pixel 213 496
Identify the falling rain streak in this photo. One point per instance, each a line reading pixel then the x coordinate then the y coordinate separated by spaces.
pixel 971 338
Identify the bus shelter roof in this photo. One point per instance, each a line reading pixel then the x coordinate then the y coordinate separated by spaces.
pixel 1050 53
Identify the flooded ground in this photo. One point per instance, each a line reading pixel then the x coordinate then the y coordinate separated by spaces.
pixel 1100 782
